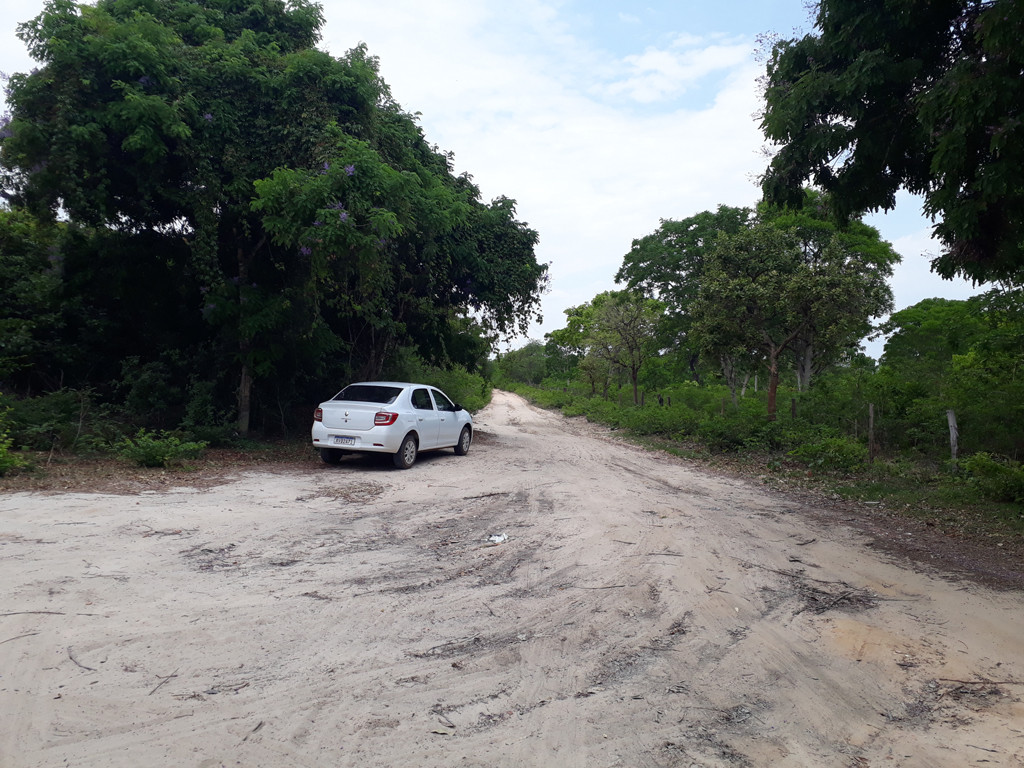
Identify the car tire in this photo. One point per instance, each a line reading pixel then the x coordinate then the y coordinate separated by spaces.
pixel 331 455
pixel 465 440
pixel 406 455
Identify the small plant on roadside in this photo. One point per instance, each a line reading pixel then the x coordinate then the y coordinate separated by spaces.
pixel 995 478
pixel 151 449
pixel 8 459
pixel 840 454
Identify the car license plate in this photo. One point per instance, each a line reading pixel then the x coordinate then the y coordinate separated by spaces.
pixel 339 440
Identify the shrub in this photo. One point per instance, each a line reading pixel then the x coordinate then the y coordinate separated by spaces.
pixel 840 454
pixel 67 419
pixel 149 449
pixel 204 421
pixel 995 478
pixel 8 459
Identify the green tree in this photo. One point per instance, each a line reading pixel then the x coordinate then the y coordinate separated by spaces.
pixel 920 95
pixel 923 339
pixel 856 255
pixel 764 292
pixel 986 383
pixel 527 365
pixel 668 265
pixel 199 123
pixel 616 330
pixel 30 293
pixel 912 382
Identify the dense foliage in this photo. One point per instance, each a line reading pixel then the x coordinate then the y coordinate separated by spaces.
pixel 211 221
pixel 920 95
pixel 767 300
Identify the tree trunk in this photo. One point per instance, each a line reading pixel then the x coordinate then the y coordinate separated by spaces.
pixel 244 349
pixel 773 383
pixel 804 366
pixel 871 433
pixel 954 435
pixel 244 399
pixel 694 358
pixel 729 374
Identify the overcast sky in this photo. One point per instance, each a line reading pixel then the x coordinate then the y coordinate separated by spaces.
pixel 600 118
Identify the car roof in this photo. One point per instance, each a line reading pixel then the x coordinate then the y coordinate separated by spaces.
pixel 402 384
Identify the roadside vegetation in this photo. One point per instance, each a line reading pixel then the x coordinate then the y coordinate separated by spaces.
pixel 819 440
pixel 186 263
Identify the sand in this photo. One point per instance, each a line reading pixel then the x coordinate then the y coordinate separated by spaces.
pixel 639 612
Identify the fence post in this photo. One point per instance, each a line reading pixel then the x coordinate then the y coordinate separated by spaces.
pixel 871 433
pixel 954 434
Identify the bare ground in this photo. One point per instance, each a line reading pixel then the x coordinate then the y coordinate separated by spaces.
pixel 639 613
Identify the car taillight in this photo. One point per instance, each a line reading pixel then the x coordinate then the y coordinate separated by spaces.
pixel 384 418
pixel 318 414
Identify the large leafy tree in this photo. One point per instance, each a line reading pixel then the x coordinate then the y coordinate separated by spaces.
pixel 32 318
pixel 616 330
pixel 857 257
pixel 322 232
pixel 765 292
pixel 668 265
pixel 920 95
pixel 963 355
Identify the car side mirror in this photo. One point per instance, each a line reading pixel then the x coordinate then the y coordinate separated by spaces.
pixel 458 407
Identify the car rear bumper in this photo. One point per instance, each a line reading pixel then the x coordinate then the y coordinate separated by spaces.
pixel 370 441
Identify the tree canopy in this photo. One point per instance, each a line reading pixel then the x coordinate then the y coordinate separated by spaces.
pixel 615 331
pixel 300 212
pixel 920 95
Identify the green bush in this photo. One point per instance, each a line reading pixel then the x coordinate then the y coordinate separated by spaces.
pixel 841 454
pixel 470 390
pixel 204 421
pixel 65 420
pixel 150 449
pixel 467 389
pixel 8 459
pixel 677 421
pixel 995 478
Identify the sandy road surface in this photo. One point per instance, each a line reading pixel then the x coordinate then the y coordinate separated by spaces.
pixel 639 614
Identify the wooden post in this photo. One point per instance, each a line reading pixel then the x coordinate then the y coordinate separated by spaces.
pixel 953 435
pixel 871 433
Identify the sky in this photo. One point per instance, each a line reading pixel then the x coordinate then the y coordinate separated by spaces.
pixel 599 118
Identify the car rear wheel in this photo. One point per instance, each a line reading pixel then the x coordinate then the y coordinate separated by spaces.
pixel 462 447
pixel 406 455
pixel 331 455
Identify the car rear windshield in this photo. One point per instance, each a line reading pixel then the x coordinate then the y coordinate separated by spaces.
pixel 369 393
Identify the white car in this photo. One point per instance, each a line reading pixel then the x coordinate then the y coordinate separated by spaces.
pixel 390 417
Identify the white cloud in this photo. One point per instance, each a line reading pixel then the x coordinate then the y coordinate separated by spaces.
pixel 659 74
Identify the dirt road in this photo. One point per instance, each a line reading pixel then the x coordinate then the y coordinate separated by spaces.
pixel 640 613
